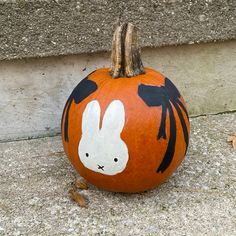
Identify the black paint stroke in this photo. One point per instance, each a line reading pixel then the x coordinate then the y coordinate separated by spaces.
pixel 183 124
pixel 183 108
pixel 80 92
pixel 170 150
pixel 165 96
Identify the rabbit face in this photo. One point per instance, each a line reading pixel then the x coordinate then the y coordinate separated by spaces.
pixel 103 150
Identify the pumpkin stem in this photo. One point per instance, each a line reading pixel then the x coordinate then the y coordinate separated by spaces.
pixel 126 60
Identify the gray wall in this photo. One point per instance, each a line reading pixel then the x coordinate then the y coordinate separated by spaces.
pixel 33 91
pixel 46 28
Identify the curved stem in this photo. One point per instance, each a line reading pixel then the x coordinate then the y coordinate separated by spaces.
pixel 126 60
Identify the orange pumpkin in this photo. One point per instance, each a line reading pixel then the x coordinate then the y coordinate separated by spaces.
pixel 125 129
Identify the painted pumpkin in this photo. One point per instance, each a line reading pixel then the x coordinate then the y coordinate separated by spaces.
pixel 125 129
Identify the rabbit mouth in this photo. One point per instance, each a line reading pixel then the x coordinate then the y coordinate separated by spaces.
pixel 100 167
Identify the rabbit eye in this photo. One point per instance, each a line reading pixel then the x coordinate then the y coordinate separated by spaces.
pixel 86 154
pixel 115 159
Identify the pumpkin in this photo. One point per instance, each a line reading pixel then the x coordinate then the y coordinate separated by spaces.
pixel 125 129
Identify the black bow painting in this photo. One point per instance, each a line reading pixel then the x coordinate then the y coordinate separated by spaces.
pixel 81 91
pixel 165 96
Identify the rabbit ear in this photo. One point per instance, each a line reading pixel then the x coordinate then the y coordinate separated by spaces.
pixel 91 118
pixel 114 118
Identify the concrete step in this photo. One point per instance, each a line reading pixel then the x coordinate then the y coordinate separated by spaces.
pixel 198 200
pixel 52 28
pixel 33 91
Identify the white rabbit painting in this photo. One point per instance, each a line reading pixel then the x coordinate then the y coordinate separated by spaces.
pixel 102 149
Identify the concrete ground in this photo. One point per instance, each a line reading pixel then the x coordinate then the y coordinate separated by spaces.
pixel 200 199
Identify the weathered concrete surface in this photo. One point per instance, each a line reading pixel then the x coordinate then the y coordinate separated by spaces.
pixel 43 28
pixel 198 200
pixel 34 91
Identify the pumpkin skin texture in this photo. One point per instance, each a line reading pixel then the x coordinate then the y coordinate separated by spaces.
pixel 148 119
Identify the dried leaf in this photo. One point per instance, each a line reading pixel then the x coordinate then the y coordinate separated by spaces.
pixel 232 139
pixel 80 184
pixel 78 198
